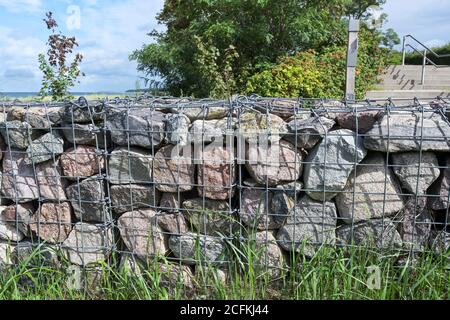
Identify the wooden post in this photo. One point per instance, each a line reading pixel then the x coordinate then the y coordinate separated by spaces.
pixel 352 59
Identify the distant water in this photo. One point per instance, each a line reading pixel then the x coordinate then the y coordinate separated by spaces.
pixel 76 94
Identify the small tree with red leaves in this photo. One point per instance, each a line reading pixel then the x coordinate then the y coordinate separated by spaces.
pixel 59 75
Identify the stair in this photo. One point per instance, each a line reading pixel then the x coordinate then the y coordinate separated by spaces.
pixel 404 82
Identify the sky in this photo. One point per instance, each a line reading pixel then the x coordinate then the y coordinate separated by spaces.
pixel 109 30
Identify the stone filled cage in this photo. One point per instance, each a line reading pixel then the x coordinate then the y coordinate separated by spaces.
pixel 187 180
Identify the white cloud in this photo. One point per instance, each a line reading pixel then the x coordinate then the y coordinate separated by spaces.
pixel 21 5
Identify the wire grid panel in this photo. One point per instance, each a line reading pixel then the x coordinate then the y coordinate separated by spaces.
pixel 208 181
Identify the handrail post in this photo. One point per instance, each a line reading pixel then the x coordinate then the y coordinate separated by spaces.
pixel 403 51
pixel 424 63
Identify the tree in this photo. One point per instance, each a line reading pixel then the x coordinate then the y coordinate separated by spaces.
pixel 58 75
pixel 211 44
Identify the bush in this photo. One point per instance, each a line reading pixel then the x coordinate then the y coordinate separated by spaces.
pixel 415 58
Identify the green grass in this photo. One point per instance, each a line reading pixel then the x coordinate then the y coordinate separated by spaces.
pixel 330 274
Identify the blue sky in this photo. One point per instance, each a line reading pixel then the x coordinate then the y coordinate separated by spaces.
pixel 108 30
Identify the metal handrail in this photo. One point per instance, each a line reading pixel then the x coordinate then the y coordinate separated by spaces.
pixel 423 54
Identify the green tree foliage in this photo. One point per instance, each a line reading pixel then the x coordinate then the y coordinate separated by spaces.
pixel 212 47
pixel 415 58
pixel 58 75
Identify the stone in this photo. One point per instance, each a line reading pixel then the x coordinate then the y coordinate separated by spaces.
pixel 19 215
pixel 439 189
pixel 141 233
pixel 379 234
pixel 46 147
pixel 330 163
pixel 130 166
pixel 88 244
pixel 170 202
pixel 177 128
pixel 270 257
pixel 83 112
pixel 407 131
pixel 255 124
pixel 42 118
pixel 87 199
pixel 406 168
pixel 216 172
pixel 173 172
pixel 292 189
pixel 51 186
pixel 310 225
pixel 440 242
pixel 280 206
pixel 173 223
pixel 18 180
pixel 192 248
pixel 255 209
pixel 34 254
pixel 81 162
pixel 206 131
pixel 210 217
pixel 6 250
pixel 128 197
pixel 306 133
pixel 8 230
pixel 364 196
pixel 415 224
pixel 360 121
pixel 52 222
pixel 175 276
pixel 2 147
pixel 275 164
pixel 204 112
pixel 18 134
pixel 141 127
pixel 84 134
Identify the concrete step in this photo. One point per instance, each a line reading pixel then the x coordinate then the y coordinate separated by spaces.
pixel 406 94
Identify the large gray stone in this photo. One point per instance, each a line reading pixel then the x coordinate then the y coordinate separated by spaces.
pixel 440 188
pixel 128 197
pixel 206 131
pixel 379 234
pixel 308 132
pixel 256 124
pixel 173 223
pixel 46 147
pixel 17 134
pixel 42 118
pixel 18 179
pixel 83 112
pixel 8 230
pixel 204 111
pixel 274 164
pixel 407 131
pixel 406 168
pixel 177 128
pixel 87 199
pixel 281 205
pixel 130 166
pixel 359 119
pixel 374 193
pixel 173 172
pixel 269 256
pixel 170 202
pixel 310 225
pixel 141 233
pixel 6 254
pixel 330 163
pixel 141 127
pixel 51 186
pixel 84 134
pixel 88 244
pixel 192 248
pixel 440 242
pixel 19 215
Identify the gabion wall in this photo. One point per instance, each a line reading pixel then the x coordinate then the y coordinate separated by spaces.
pixel 186 179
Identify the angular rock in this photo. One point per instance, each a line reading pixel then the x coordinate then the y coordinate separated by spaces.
pixel 374 193
pixel 172 172
pixel 211 130
pixel 204 112
pixel 310 225
pixel 141 233
pixel 18 179
pixel 128 197
pixel 216 173
pixel 47 147
pixel 270 257
pixel 83 112
pixel 84 134
pixel 376 233
pixel 330 163
pixel 2 147
pixel 275 164
pixel 173 276
pixel 81 162
pixel 440 188
pixel 87 199
pixel 35 254
pixel 19 215
pixel 191 248
pixel 130 166
pixel 360 121
pixel 281 206
pixel 177 128
pixel 6 250
pixel 173 223
pixel 308 132
pixel 48 176
pixel 406 168
pixel 37 117
pixel 88 244
pixel 254 124
pixel 52 222
pixel 170 202
pixel 137 127
pixel 8 230
pixel 209 217
pixel 407 131
pixel 255 209
pixel 440 242
pixel 18 134
pixel 292 189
